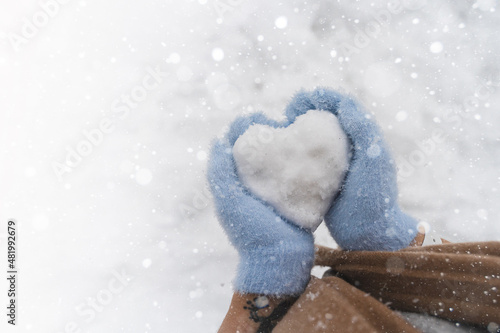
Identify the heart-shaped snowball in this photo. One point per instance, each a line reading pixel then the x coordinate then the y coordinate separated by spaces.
pixel 297 169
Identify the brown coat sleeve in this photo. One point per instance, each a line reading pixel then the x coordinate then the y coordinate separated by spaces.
pixel 459 282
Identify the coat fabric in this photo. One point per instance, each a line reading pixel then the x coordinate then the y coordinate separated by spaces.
pixel 458 282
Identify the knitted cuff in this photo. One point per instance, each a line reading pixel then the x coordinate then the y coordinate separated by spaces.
pixel 284 270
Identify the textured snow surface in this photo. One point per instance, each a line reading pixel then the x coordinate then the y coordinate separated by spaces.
pixel 430 324
pixel 297 169
pixel 137 202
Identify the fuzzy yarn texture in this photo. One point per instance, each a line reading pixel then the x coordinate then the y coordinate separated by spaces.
pixel 365 215
pixel 276 256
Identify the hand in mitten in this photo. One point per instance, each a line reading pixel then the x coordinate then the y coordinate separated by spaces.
pixel 276 256
pixel 365 215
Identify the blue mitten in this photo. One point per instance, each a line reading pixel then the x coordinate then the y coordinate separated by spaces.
pixel 365 215
pixel 276 256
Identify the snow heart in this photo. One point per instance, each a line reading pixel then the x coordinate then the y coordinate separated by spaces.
pixel 297 169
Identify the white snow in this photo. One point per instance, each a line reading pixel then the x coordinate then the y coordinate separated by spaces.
pixel 430 324
pixel 281 22
pixel 217 54
pixel 436 47
pixel 63 79
pixel 297 169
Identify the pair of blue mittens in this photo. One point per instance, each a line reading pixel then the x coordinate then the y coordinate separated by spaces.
pixel 276 256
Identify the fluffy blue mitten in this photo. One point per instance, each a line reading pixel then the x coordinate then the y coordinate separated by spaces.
pixel 276 256
pixel 365 215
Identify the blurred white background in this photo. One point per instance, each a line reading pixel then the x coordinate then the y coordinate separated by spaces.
pixel 76 82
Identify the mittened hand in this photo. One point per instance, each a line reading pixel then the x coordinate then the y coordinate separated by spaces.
pixel 365 215
pixel 276 256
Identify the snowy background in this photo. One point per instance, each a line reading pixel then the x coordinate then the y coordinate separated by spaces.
pixel 135 204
